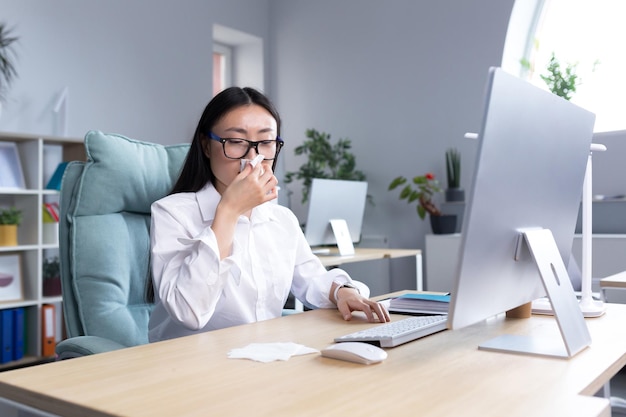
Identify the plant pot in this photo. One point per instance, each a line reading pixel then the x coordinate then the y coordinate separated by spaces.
pixel 455 194
pixel 8 235
pixel 444 224
pixel 52 286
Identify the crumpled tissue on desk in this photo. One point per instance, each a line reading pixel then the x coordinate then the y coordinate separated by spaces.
pixel 269 352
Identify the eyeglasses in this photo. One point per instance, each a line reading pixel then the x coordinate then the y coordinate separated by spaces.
pixel 237 148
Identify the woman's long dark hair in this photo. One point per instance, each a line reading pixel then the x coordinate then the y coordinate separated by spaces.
pixel 196 171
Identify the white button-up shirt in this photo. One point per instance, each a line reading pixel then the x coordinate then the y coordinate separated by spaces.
pixel 195 291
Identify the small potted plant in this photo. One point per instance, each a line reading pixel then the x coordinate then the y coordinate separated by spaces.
pixel 10 219
pixel 422 190
pixel 454 192
pixel 51 277
pixel 325 160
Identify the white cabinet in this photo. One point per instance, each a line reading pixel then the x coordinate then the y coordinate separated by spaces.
pixel 442 254
pixel 39 157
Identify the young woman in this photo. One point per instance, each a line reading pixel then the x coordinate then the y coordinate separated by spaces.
pixel 222 253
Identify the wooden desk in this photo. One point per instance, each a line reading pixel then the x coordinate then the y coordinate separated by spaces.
pixel 370 254
pixel 440 375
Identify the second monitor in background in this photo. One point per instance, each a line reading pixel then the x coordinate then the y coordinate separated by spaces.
pixel 339 201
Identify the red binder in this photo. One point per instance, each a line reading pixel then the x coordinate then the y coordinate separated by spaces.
pixel 48 339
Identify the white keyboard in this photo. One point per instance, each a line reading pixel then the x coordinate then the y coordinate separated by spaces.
pixel 398 332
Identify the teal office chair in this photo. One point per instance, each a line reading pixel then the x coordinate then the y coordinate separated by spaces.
pixel 104 240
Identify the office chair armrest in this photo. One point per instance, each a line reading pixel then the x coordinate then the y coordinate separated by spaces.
pixel 85 345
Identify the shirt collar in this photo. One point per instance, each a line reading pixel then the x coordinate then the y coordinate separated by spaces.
pixel 208 198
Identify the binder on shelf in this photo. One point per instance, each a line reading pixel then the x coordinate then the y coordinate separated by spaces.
pixel 47 330
pixel 6 335
pixel 51 212
pixel 18 333
pixel 55 180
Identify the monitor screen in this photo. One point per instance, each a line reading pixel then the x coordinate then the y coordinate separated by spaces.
pixel 530 168
pixel 334 199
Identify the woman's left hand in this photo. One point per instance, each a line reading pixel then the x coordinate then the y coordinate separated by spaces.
pixel 349 300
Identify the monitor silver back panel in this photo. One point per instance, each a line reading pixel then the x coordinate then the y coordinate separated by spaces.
pixel 533 149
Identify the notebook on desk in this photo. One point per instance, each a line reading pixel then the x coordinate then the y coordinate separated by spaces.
pixel 420 304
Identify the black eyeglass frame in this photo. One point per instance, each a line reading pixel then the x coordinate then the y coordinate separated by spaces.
pixel 251 144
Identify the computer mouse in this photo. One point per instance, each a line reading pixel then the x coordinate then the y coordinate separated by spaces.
pixel 358 352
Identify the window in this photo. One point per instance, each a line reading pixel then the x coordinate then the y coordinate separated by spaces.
pixel 222 67
pixel 587 35
pixel 237 59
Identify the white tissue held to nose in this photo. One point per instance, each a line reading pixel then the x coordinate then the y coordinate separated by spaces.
pixel 253 162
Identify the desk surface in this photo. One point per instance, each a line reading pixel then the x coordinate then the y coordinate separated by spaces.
pixel 440 375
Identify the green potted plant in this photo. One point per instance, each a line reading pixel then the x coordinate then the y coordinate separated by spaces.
pixel 324 160
pixel 51 277
pixel 10 219
pixel 454 192
pixel 7 56
pixel 421 190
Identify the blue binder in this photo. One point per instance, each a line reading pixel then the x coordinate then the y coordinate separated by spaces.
pixel 18 333
pixel 55 180
pixel 6 335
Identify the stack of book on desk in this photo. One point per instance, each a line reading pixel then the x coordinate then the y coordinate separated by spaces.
pixel 420 304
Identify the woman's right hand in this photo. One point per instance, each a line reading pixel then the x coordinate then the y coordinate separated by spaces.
pixel 251 187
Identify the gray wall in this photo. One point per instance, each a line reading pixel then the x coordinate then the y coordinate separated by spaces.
pixel 140 68
pixel 403 79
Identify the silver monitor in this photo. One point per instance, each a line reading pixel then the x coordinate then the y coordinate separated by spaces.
pixel 334 199
pixel 531 161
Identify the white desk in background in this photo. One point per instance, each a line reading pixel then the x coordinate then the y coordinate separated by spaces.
pixel 370 254
pixel 616 281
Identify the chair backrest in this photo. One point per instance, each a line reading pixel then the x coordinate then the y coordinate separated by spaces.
pixel 104 233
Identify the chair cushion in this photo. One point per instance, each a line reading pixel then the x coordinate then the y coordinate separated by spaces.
pixel 110 236
pixel 126 175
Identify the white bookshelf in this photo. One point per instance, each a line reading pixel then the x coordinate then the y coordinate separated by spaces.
pixel 39 156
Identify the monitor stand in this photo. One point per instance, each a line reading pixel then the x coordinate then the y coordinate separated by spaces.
pixel 574 333
pixel 342 236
